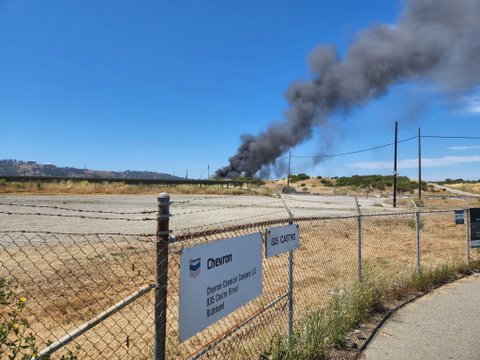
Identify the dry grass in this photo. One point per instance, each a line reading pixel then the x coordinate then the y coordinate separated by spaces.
pixel 315 186
pixel 68 283
pixel 472 188
pixel 312 185
pixel 438 203
pixel 70 279
pixel 115 188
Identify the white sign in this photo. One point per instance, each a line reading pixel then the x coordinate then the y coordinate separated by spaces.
pixel 216 279
pixel 281 239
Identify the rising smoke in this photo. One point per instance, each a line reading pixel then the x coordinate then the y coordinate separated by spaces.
pixel 434 40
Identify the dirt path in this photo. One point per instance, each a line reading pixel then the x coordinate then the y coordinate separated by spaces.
pixel 454 191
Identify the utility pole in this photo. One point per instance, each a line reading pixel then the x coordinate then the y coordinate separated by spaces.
pixel 395 167
pixel 186 174
pixel 208 172
pixel 419 167
pixel 289 163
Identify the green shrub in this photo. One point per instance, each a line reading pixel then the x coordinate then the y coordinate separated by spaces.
pixel 299 177
pixel 326 183
pixel 380 182
pixel 327 327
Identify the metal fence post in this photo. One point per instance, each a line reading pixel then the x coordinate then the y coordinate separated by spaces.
pixel 290 292
pixel 466 221
pixel 290 276
pixel 163 233
pixel 417 242
pixel 359 241
pixel 467 234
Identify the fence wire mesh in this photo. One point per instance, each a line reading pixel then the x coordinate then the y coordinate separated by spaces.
pixel 388 246
pixel 325 261
pixel 247 330
pixel 68 279
pixel 441 241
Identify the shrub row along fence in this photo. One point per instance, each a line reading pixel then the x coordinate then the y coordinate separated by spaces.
pixel 98 295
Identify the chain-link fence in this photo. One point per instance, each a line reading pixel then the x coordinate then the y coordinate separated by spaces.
pixel 95 295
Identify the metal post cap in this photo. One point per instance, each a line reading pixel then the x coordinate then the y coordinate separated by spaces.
pixel 163 196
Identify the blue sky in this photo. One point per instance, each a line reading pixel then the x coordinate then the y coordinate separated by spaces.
pixel 171 85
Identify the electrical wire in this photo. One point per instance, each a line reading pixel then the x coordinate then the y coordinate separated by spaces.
pixel 450 137
pixel 355 152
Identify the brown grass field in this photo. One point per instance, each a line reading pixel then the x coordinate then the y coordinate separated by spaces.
pixel 69 279
pixel 114 188
pixel 468 187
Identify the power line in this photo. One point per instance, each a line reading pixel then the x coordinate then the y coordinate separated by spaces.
pixel 354 152
pixel 383 146
pixel 451 137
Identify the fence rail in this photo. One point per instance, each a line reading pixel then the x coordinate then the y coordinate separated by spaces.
pixel 89 294
pixel 133 181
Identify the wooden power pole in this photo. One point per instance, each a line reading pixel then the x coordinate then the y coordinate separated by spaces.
pixel 395 166
pixel 289 163
pixel 419 166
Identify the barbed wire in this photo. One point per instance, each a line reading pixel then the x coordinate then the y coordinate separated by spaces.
pixel 40 232
pixel 203 198
pixel 224 208
pixel 183 231
pixel 218 223
pixel 197 199
pixel 80 210
pixel 76 216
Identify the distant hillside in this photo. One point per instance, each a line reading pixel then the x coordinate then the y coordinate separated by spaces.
pixel 31 168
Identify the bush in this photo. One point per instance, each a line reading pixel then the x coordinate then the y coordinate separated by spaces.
pixel 299 177
pixel 329 326
pixel 380 182
pixel 288 190
pixel 326 183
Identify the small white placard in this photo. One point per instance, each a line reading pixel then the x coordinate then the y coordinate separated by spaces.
pixel 216 279
pixel 281 239
pixel 475 243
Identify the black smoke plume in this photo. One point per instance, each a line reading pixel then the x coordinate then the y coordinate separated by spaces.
pixel 434 40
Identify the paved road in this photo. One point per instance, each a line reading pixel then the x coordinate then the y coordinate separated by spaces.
pixel 189 211
pixel 442 325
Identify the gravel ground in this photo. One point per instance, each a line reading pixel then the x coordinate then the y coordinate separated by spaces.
pixel 123 213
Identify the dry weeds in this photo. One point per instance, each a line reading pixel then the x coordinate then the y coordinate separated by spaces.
pixel 116 188
pixel 468 187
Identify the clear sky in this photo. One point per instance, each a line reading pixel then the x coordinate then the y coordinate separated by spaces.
pixel 171 85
